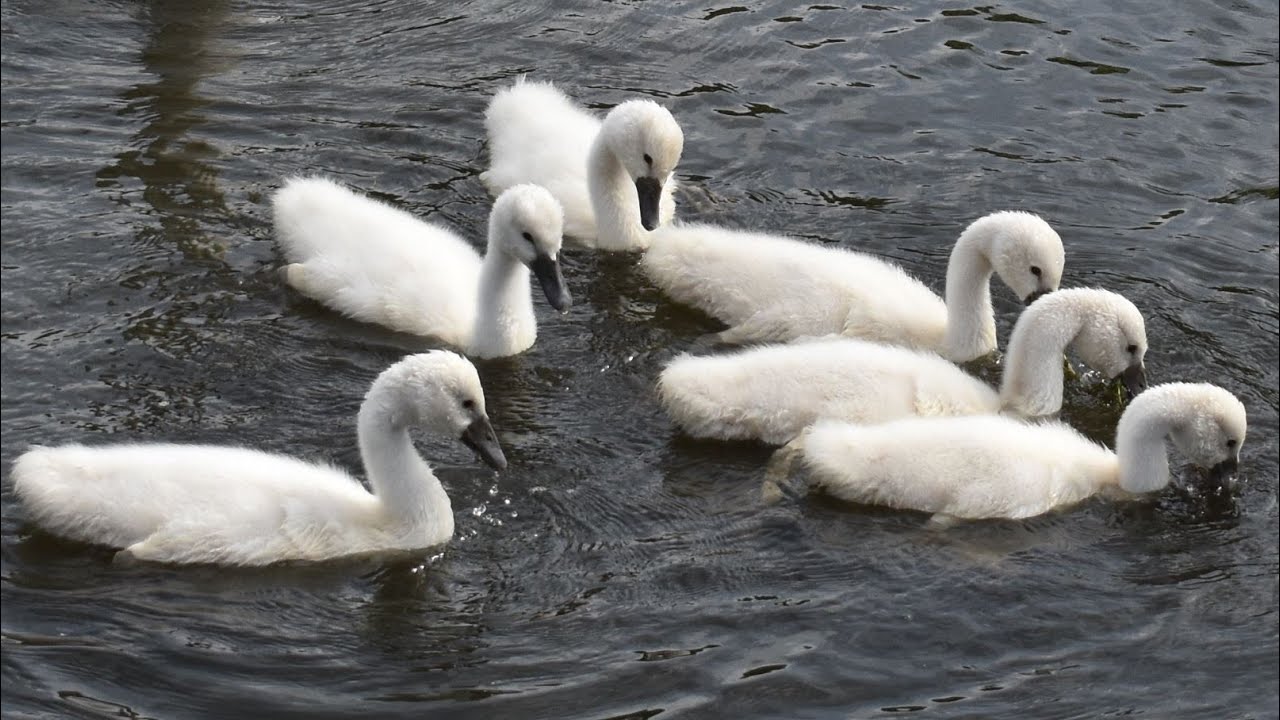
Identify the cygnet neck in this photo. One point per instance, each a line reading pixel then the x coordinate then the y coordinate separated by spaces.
pixel 401 480
pixel 971 323
pixel 613 198
pixel 504 306
pixel 1140 441
pixel 1032 382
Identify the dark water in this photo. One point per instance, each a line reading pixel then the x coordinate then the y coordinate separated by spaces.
pixel 617 570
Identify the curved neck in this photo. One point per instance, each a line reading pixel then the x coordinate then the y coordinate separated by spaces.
pixel 1032 382
pixel 402 481
pixel 971 323
pixel 613 200
pixel 1140 443
pixel 504 308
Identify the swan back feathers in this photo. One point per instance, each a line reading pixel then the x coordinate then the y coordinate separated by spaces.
pixel 974 467
pixel 773 392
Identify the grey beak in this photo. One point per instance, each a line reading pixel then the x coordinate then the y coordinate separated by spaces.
pixel 1035 296
pixel 1224 470
pixel 548 273
pixel 479 436
pixel 1134 378
pixel 650 191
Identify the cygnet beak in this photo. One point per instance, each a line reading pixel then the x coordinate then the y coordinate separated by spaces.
pixel 1035 296
pixel 479 436
pixel 1134 378
pixel 1224 471
pixel 650 192
pixel 552 281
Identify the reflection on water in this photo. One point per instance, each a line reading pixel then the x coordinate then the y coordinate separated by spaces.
pixel 182 208
pixel 177 170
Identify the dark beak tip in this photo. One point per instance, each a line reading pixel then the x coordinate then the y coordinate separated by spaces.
pixel 552 281
pixel 561 303
pixel 1134 379
pixel 1224 472
pixel 497 462
pixel 479 436
pixel 1035 296
pixel 649 193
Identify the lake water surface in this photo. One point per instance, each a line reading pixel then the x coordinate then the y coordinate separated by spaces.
pixel 618 570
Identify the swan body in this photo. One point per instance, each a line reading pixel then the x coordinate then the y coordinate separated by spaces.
pixel 998 467
pixel 236 506
pixel 772 392
pixel 379 264
pixel 773 288
pixel 613 178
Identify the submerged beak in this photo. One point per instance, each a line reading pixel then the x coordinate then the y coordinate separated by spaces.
pixel 1134 378
pixel 548 273
pixel 1224 470
pixel 650 191
pixel 1035 296
pixel 479 436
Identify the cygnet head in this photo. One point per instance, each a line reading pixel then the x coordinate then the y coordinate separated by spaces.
pixel 439 391
pixel 1206 423
pixel 527 223
pixel 1112 337
pixel 1213 430
pixel 1105 330
pixel 1024 251
pixel 648 142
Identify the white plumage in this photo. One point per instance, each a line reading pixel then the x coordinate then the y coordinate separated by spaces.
pixel 382 265
pixel 614 179
pixel 1103 328
pixel 772 392
pixel 999 467
pixel 235 506
pixel 772 288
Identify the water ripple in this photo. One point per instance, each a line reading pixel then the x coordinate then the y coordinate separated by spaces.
pixel 618 569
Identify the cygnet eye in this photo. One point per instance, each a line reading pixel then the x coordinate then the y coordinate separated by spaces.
pixel 1132 349
pixel 468 404
pixel 529 237
pixel 1035 270
pixel 648 160
pixel 1231 443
